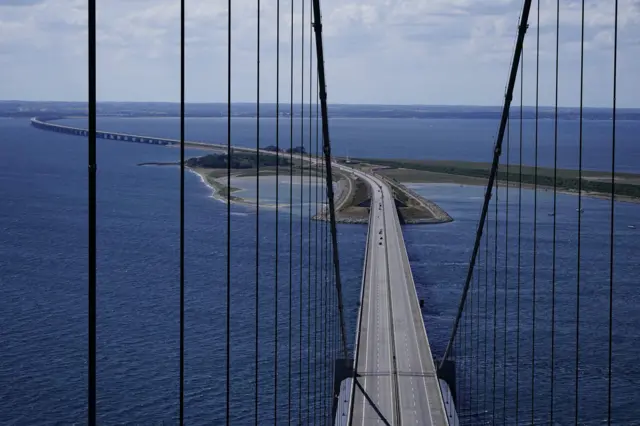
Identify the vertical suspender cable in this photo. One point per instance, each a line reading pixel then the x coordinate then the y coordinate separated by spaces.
pixel 578 253
pixel 309 254
pixel 535 224
pixel 276 295
pixel 462 340
pixel 323 323
pixel 476 353
pixel 506 278
pixel 229 153
pixel 495 301
pixel 257 251
pixel 309 356
pixel 469 357
pixel 555 205
pixel 519 242
pixel 456 355
pixel 460 361
pixel 330 337
pixel 335 336
pixel 91 412
pixel 469 362
pixel 182 135
pixel 613 197
pixel 494 165
pixel 486 315
pixel 315 285
pixel 300 305
pixel 290 217
pixel 327 292
pixel 319 225
pixel 323 275
pixel 332 341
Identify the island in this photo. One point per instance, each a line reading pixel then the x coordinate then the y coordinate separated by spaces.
pixel 213 168
pixel 352 195
pixel 596 184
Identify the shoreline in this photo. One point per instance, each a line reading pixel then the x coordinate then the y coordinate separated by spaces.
pixel 218 190
pixel 470 181
pixel 594 184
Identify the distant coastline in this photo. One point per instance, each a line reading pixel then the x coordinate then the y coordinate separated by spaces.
pixel 54 110
pixel 626 186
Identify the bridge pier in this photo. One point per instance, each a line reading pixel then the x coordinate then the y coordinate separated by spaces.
pixel 343 371
pixel 448 373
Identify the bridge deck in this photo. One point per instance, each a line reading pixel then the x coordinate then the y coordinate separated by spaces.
pixel 397 382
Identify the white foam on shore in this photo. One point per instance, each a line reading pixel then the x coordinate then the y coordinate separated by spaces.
pixel 242 201
pixel 214 192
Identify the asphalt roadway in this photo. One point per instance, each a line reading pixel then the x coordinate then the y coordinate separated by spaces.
pixel 396 376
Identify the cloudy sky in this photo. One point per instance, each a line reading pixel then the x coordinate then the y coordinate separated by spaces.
pixel 377 51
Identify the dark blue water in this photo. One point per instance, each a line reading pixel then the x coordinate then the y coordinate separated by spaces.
pixel 437 139
pixel 43 266
pixel 440 270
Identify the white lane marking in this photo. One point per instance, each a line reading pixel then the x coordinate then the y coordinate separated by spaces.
pixel 373 282
pixel 402 253
pixel 406 299
pixel 389 322
pixel 366 353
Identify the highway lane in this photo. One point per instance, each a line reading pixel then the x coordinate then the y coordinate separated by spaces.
pixel 414 388
pixel 374 391
pixel 420 397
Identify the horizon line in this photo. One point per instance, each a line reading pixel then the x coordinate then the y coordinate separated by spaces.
pixel 334 103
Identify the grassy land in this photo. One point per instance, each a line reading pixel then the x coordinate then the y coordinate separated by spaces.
pixel 626 185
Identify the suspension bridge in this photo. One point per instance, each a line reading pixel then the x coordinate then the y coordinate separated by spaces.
pixel 388 371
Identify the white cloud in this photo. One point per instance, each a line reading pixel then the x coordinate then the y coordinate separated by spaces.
pixel 377 51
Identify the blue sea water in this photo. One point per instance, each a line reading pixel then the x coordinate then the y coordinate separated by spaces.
pixel 43 273
pixel 440 271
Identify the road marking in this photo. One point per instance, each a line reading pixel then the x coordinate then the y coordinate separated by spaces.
pixel 398 287
pixel 405 293
pixel 366 354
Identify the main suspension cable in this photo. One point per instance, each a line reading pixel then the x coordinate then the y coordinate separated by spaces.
pixel 492 175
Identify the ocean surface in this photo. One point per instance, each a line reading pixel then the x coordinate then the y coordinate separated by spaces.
pixel 43 275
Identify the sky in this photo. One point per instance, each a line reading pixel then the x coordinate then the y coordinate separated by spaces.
pixel 430 52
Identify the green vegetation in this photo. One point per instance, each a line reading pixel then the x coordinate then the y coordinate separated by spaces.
pixel 238 161
pixel 627 184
